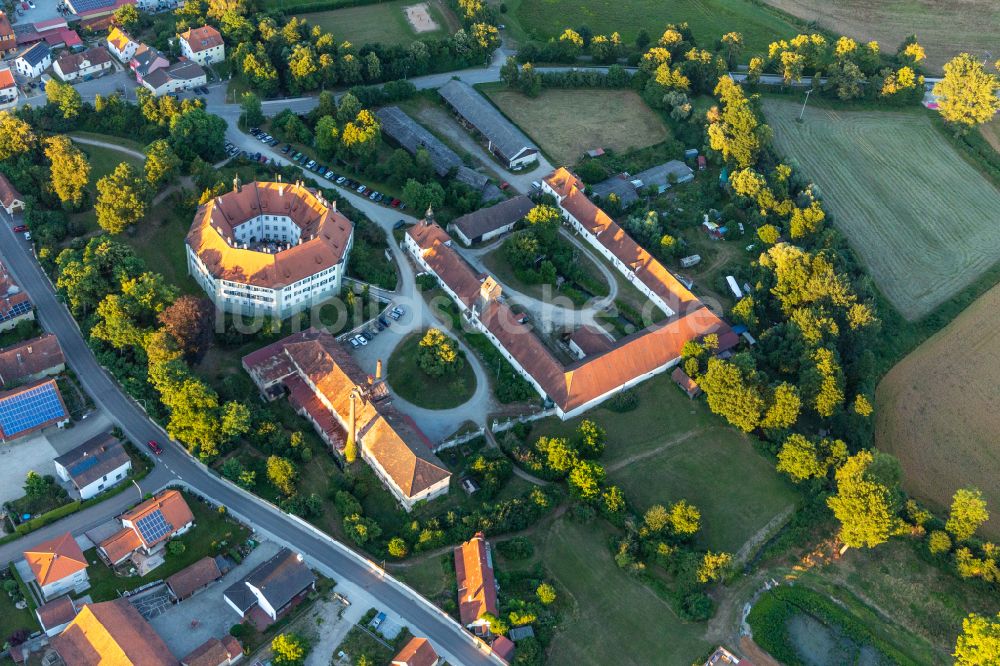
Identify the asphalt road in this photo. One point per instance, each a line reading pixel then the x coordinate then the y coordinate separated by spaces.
pixel 175 465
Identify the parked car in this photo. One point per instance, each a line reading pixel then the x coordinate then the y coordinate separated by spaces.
pixel 354 343
pixel 21 228
pixel 361 340
pixel 341 180
pixel 273 142
pixel 329 175
pixel 378 620
pixel 394 203
pixel 154 447
pixel 362 189
pixel 310 164
pixel 400 309
pixel 27 235
pixel 286 148
pixel 372 196
pixel 504 185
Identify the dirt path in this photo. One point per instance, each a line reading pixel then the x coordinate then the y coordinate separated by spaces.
pixel 625 462
pixel 110 146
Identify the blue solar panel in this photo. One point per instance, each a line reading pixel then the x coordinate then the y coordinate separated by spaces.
pixel 83 465
pixel 30 409
pixel 80 6
pixel 154 526
pixel 16 311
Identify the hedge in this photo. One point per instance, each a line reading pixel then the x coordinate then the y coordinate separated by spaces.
pixel 50 517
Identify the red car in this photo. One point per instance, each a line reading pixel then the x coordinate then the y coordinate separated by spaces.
pixel 21 228
pixel 154 447
pixel 394 203
pixel 504 185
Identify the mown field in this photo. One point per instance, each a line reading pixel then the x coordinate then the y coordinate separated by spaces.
pixel 709 19
pixel 921 218
pixel 944 27
pixel 936 410
pixel 383 23
pixel 567 123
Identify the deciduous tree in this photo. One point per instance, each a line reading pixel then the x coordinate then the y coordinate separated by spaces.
pixel 281 472
pixel 121 199
pixel 967 95
pixel 979 642
pixel 16 136
pixel 968 513
pixel 864 504
pixel 162 163
pixel 190 321
pixel 69 168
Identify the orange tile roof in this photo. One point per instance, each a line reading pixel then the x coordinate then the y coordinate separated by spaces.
pixel 326 235
pixel 120 545
pixel 111 633
pixel 477 590
pixel 175 511
pixel 418 652
pixel 8 193
pixel 214 652
pixel 6 78
pixel 503 647
pixel 55 559
pixel 202 39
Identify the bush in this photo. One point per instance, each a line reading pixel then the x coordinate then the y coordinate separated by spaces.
pixel 518 548
pixel 624 401
pixel 239 631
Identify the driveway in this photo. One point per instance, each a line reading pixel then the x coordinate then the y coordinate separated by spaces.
pixel 33 453
pixel 188 624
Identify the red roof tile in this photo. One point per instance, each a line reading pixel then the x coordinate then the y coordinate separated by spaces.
pixel 175 511
pixel 418 652
pixel 202 39
pixel 111 632
pixel 477 590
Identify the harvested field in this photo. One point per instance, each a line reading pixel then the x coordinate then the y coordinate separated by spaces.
pixel 944 27
pixel 924 221
pixel 935 410
pixel 567 123
pixel 395 22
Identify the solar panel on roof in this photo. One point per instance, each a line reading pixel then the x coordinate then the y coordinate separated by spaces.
pixel 30 409
pixel 80 6
pixel 83 465
pixel 154 526
pixel 16 310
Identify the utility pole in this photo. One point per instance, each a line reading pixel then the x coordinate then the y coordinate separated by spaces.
pixel 802 112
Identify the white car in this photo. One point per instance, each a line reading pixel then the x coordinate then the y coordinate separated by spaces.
pixel 354 343
pixel 361 340
pixel 27 235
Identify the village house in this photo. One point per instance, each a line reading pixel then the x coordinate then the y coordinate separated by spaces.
pixel 30 408
pixel 53 616
pixel 145 61
pixel 57 566
pixel 8 38
pixel 485 224
pixel 477 586
pixel 121 45
pixel 31 360
pixel 182 75
pixel 32 61
pixel 15 306
pixel 8 96
pixel 503 647
pixel 193 578
pixel 325 385
pixel 146 529
pixel 96 465
pixel 92 62
pixel 418 652
pixel 215 652
pixel 502 138
pixel 110 632
pixel 272 589
pixel 203 45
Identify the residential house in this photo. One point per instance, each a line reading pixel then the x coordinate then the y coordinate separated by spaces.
pixel 53 616
pixel 182 75
pixel 487 223
pixel 30 408
pixel 31 360
pixel 96 465
pixel 145 61
pixel 8 92
pixel 8 38
pixel 58 567
pixel 203 45
pixel 418 652
pixel 146 530
pixel 92 62
pixel 121 45
pixel 326 385
pixel 688 385
pixel 477 586
pixel 272 589
pixel 111 632
pixel 502 138
pixel 15 306
pixel 89 10
pixel 193 578
pixel 215 652
pixel 10 198
pixel 32 61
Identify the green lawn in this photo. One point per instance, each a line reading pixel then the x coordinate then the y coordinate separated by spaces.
pixel 105 160
pixel 384 22
pixel 414 385
pixel 709 19
pixel 11 618
pixel 616 619
pixel 432 577
pixel 213 533
pixel 159 241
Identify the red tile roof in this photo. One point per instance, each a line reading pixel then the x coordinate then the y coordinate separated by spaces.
pixel 477 590
pixel 55 559
pixel 8 193
pixel 192 578
pixel 29 358
pixel 120 545
pixel 54 613
pixel 202 39
pixel 175 511
pixel 111 632
pixel 73 62
pixel 8 40
pixel 6 81
pixel 503 647
pixel 418 652
pixel 214 652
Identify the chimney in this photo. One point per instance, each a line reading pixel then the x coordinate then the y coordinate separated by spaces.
pixel 29 349
pixel 378 369
pixel 237 183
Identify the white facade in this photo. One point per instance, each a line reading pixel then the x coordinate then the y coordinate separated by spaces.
pixel 8 99
pixel 429 493
pixel 263 603
pixel 205 56
pixel 127 50
pixel 99 485
pixel 27 70
pixel 76 583
pixel 172 84
pixel 86 69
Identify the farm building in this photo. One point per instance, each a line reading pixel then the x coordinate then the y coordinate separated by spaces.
pixel 590 340
pixel 272 589
pixel 488 223
pixel 194 577
pixel 503 139
pixel 627 188
pixel 477 586
pixel 30 408
pixel 620 186
pixel 412 136
pixel 111 632
pixel 215 652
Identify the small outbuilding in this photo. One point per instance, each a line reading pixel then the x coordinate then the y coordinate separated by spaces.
pixel 688 385
pixel 488 223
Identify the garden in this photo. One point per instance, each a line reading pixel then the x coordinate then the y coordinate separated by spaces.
pixel 17 614
pixel 428 369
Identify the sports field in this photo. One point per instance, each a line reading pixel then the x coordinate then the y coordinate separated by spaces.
pixel 943 27
pixel 937 410
pixel 386 22
pixel 923 220
pixel 709 19
pixel 567 123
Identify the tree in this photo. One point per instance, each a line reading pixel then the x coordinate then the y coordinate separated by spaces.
pixel 190 322
pixel 864 504
pixel 546 593
pixel 127 17
pixel 65 97
pixel 967 95
pixel 656 518
pixel 768 234
pixel 289 649
pixel 938 542
pixel 176 547
pixel 560 457
pixel 732 44
pixel 235 421
pixel 121 199
pixel 509 72
pixel 713 566
pixel 803 459
pixel 613 500
pixel 16 136
pixel 361 135
pixel 585 480
pixel 968 513
pixel 731 395
pixel 685 518
pixel 196 132
pixel 979 642
pixel 162 163
pixel 735 131
pixel 420 197
pixel 69 169
pixel 281 472
pixel 35 485
pixel 398 548
pixel 251 111
pixel 438 355
pixel 592 438
pixel 498 626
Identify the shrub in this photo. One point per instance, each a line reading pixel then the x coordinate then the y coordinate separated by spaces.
pixel 624 401
pixel 518 548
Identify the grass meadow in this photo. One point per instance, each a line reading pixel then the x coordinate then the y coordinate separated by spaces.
pixel 384 22
pixel 922 219
pixel 412 384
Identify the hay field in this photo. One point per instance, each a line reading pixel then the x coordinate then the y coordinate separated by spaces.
pixel 937 410
pixel 924 222
pixel 944 27
pixel 567 123
pixel 382 23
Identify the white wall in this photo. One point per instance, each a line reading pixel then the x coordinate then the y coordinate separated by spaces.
pixel 99 485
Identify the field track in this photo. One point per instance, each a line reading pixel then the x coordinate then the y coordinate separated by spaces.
pixel 937 410
pixel 925 222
